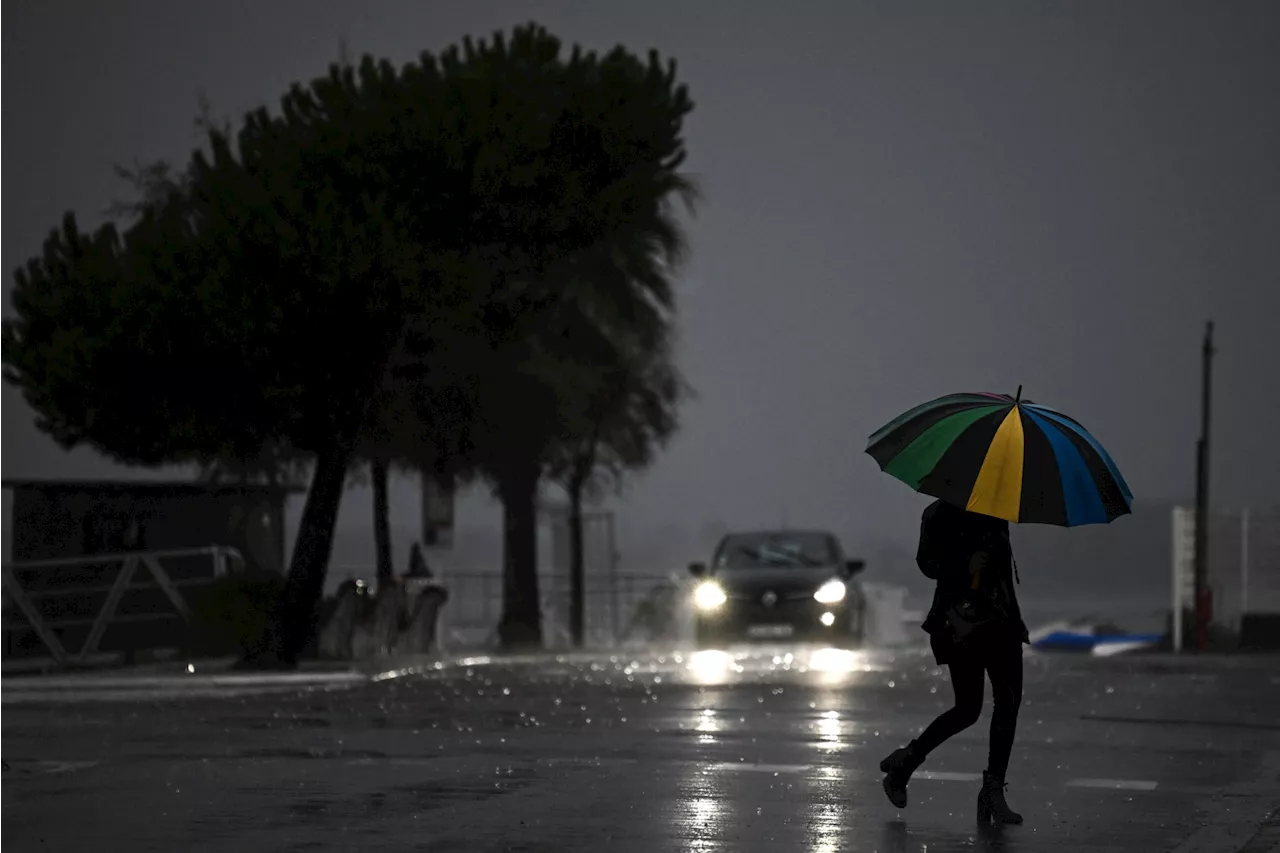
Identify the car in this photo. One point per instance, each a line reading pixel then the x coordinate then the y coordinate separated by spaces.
pixel 777 585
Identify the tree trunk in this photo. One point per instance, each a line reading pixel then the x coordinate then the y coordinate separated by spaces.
pixel 294 623
pixel 521 623
pixel 381 522
pixel 577 567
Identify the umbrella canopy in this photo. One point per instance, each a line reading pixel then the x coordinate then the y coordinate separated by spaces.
pixel 1005 457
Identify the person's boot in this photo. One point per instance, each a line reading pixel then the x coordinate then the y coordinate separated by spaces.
pixel 991 803
pixel 897 768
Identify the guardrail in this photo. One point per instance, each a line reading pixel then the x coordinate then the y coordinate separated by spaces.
pixel 61 601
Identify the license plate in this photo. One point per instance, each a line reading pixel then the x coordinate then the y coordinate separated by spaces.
pixel 770 630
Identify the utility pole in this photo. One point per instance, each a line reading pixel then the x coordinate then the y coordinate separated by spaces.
pixel 1204 595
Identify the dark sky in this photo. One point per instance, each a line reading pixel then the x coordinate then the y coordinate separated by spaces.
pixel 903 199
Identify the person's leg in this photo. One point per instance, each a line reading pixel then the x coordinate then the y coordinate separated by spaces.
pixel 966 682
pixel 1004 666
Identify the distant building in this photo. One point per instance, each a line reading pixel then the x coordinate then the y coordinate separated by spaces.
pixel 66 518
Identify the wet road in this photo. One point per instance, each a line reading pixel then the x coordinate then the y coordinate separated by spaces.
pixel 775 749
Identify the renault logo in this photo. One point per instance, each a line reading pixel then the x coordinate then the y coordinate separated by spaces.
pixel 770 598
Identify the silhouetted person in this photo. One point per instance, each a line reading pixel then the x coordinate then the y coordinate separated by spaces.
pixel 975 629
pixel 418 567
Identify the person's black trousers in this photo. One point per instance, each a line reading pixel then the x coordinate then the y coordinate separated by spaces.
pixel 995 653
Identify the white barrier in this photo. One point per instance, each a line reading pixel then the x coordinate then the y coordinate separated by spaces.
pixel 886 615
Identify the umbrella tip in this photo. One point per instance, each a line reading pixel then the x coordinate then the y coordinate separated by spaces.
pixel 1018 397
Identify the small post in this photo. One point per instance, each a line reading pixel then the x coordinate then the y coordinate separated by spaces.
pixel 1176 583
pixel 1202 602
pixel 1244 563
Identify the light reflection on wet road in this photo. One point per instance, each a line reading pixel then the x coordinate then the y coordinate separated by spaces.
pixel 760 749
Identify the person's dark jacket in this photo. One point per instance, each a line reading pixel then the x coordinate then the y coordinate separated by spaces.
pixel 952 543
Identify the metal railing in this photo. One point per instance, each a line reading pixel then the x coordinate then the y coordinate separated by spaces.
pixel 62 600
pixel 616 609
pixel 610 608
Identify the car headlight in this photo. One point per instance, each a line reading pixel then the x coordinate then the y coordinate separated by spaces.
pixel 830 592
pixel 708 595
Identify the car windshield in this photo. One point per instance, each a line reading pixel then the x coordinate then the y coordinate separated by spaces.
pixel 771 550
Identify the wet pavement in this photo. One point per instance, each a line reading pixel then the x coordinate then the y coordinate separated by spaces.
pixel 772 749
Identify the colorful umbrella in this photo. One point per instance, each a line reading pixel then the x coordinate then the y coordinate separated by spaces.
pixel 1006 457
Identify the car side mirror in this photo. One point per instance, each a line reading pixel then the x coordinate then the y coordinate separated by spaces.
pixel 853 567
pixel 698 570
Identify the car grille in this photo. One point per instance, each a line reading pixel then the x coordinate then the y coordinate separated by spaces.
pixel 776 593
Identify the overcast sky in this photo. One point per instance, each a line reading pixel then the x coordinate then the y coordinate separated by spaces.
pixel 902 199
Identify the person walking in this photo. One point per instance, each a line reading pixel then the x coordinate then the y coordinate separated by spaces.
pixel 976 630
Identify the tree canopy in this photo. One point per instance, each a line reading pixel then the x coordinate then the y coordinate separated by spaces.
pixel 375 259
